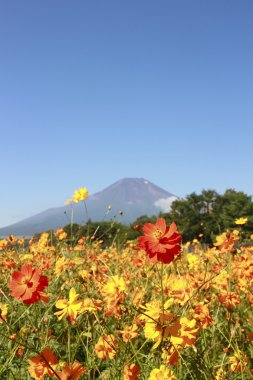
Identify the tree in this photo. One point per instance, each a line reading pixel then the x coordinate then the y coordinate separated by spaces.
pixel 210 213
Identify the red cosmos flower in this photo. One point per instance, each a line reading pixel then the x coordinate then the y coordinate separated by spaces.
pixel 160 242
pixel 27 284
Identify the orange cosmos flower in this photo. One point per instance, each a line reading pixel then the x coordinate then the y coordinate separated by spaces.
pixel 159 241
pixel 42 365
pixel 27 284
pixel 131 372
pixel 226 240
pixel 129 332
pixel 60 234
pixel 171 355
pixel 3 244
pixel 230 300
pixel 202 315
pixel 238 361
pixel 73 372
pixel 106 347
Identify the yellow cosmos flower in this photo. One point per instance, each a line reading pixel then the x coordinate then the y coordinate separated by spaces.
pixel 69 308
pixel 60 234
pixel 193 260
pixel 3 244
pixel 238 362
pixel 80 195
pixel 221 374
pixel 159 322
pixel 162 373
pixel 3 312
pixel 241 221
pixel 90 305
pixel 114 285
pixel 187 334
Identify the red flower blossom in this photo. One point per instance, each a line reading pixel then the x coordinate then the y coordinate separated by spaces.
pixel 159 241
pixel 27 284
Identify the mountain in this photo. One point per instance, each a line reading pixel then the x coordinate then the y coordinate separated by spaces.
pixel 133 196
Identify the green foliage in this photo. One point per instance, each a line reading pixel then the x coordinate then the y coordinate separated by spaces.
pixel 210 213
pixel 109 232
pixel 201 216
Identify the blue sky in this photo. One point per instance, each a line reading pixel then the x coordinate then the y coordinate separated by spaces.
pixel 94 91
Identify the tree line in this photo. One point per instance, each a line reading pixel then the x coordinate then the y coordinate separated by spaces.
pixel 199 216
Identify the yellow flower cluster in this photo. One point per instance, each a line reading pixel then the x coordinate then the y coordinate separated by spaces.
pixel 79 195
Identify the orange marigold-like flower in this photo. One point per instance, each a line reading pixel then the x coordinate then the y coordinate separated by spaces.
pixel 106 347
pixel 202 315
pixel 72 372
pixel 187 334
pixel 171 355
pixel 238 361
pixel 27 284
pixel 230 300
pixel 159 241
pixel 3 244
pixel 226 240
pixel 131 372
pixel 129 332
pixel 60 234
pixel 42 365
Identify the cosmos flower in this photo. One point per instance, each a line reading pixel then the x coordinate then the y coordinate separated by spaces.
pixel 3 312
pixel 238 361
pixel 159 241
pixel 80 195
pixel 131 372
pixel 129 332
pixel 241 221
pixel 106 347
pixel 3 244
pixel 72 372
pixel 27 284
pixel 69 308
pixel 60 234
pixel 162 373
pixel 42 365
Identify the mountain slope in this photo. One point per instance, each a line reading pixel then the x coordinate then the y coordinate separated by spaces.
pixel 133 196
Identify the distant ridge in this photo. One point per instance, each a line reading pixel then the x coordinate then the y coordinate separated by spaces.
pixel 133 196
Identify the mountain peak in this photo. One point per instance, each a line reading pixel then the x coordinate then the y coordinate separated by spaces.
pixel 133 196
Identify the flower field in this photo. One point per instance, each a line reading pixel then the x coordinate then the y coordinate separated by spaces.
pixel 148 309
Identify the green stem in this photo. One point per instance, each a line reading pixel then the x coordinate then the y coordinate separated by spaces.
pixel 68 348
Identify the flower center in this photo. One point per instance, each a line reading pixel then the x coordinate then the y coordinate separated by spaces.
pixel 29 284
pixel 157 234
